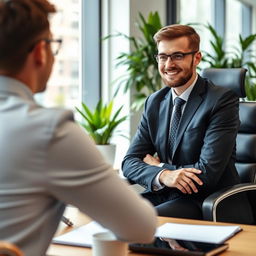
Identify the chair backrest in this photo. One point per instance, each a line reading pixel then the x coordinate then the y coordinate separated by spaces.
pixel 234 79
pixel 9 249
pixel 246 142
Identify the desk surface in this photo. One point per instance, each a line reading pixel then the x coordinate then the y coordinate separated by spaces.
pixel 243 243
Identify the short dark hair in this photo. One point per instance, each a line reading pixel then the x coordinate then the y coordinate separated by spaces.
pixel 21 24
pixel 177 30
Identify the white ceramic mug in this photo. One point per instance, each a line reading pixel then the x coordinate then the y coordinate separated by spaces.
pixel 106 244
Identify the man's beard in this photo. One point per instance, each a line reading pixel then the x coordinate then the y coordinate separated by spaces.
pixel 182 80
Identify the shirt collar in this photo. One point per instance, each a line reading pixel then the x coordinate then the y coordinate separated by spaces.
pixel 186 93
pixel 11 85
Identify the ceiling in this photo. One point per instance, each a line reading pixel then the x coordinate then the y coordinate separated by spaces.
pixel 251 2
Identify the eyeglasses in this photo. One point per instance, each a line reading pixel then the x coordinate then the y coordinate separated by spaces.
pixel 175 57
pixel 55 45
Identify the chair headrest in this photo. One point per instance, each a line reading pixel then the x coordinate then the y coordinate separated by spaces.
pixel 232 78
pixel 247 115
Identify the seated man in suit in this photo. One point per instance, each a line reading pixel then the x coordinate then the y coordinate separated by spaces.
pixel 184 148
pixel 47 161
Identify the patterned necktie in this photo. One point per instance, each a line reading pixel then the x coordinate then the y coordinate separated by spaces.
pixel 178 102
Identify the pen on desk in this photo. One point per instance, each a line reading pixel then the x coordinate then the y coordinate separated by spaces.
pixel 67 221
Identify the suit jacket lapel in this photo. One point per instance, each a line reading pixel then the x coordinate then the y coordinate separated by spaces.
pixel 192 105
pixel 165 114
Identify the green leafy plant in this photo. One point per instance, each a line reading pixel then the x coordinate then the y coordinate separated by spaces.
pixel 240 56
pixel 142 72
pixel 101 122
pixel 218 58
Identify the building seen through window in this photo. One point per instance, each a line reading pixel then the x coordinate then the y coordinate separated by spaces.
pixel 64 84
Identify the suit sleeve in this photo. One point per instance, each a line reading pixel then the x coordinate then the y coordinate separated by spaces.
pixel 133 166
pixel 78 175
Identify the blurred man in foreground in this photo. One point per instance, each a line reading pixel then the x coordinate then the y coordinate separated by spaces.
pixel 46 160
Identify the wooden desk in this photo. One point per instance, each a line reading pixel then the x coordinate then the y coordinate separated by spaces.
pixel 242 244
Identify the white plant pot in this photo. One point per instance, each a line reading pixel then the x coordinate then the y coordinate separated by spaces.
pixel 108 152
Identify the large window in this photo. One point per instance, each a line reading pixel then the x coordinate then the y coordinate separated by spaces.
pixel 228 17
pixel 233 25
pixel 63 87
pixel 199 12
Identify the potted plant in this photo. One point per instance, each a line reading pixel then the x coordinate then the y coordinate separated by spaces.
pixel 142 73
pixel 100 123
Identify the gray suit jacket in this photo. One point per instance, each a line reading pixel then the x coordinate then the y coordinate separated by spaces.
pixel 206 137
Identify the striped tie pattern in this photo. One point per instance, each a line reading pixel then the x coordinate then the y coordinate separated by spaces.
pixel 178 102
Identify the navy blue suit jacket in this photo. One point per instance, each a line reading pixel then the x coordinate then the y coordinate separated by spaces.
pixel 205 141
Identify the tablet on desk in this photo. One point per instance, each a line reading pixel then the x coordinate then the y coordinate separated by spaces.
pixel 167 246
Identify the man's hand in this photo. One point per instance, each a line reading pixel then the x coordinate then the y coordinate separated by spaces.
pixel 183 179
pixel 151 160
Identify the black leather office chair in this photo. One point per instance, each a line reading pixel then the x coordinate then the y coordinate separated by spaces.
pixel 230 204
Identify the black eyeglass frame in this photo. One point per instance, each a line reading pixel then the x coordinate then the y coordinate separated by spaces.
pixel 48 41
pixel 183 54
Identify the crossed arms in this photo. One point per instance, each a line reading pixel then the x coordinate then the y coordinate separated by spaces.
pixel 205 151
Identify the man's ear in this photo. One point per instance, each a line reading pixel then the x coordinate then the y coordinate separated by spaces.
pixel 198 57
pixel 39 53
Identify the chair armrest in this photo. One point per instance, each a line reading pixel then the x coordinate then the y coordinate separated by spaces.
pixel 227 204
